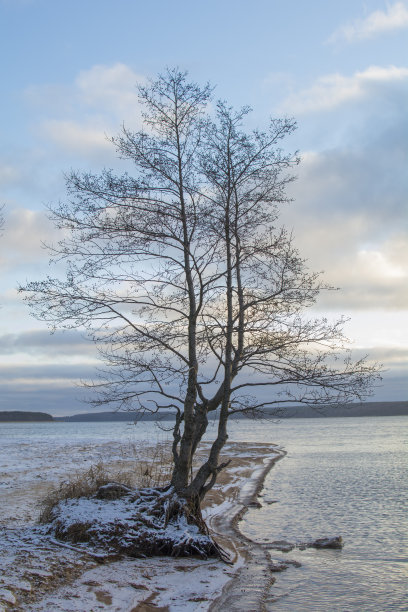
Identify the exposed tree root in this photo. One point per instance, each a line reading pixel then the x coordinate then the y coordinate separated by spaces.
pixel 135 522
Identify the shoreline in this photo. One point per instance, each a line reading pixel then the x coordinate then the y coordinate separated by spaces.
pixel 248 588
pixel 159 582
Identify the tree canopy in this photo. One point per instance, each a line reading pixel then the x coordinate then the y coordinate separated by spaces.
pixel 181 274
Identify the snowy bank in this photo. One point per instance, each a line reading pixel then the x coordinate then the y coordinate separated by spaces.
pixel 39 574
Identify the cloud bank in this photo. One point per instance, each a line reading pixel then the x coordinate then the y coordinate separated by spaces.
pixel 333 90
pixel 395 17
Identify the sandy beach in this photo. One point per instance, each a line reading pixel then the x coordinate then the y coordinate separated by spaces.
pixel 38 573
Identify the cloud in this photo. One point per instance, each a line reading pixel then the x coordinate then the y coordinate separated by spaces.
pixel 390 357
pixel 25 232
pixel 54 392
pixel 333 90
pixel 96 104
pixel 101 90
pixel 61 401
pixel 43 371
pixel 394 18
pixel 42 374
pixel 110 87
pixel 371 278
pixel 349 218
pixel 75 137
pixel 40 384
pixel 38 342
pixel 52 388
pixel 8 174
pixel 394 386
pixel 349 215
pixel 368 279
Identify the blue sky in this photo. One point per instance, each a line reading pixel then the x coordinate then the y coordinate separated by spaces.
pixel 340 68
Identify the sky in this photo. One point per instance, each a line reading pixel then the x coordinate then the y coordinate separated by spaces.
pixel 70 70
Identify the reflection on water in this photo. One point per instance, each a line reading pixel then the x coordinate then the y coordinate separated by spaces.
pixel 341 477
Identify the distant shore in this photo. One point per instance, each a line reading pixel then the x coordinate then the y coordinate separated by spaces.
pixel 17 416
pixel 366 409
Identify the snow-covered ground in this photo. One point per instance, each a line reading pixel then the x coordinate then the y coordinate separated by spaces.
pixel 38 573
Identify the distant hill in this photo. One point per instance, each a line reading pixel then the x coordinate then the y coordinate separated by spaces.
pixel 128 417
pixel 367 409
pixel 23 416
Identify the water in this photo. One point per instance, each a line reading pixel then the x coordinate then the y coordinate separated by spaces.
pixel 35 446
pixel 35 455
pixel 340 477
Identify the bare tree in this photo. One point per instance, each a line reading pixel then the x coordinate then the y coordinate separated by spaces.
pixel 180 275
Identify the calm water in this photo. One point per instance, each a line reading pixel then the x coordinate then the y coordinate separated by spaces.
pixel 340 477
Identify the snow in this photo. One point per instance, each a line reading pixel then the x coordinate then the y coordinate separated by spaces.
pixel 126 523
pixel 38 573
pixel 7 596
pixel 183 584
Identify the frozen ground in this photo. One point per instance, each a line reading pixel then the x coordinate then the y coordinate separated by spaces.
pixel 37 573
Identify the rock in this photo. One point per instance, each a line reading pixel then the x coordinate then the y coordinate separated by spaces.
pixel 254 504
pixel 281 545
pixel 293 562
pixel 320 543
pixel 278 566
pixel 112 490
pixel 336 542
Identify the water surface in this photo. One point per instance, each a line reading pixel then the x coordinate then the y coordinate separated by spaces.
pixel 343 477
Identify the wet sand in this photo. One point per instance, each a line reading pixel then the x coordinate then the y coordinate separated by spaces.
pixel 250 584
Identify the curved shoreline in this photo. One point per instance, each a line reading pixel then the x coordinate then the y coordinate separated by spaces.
pixel 249 586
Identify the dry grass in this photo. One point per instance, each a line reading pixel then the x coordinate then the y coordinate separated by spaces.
pixel 158 521
pixel 153 466
pixel 149 467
